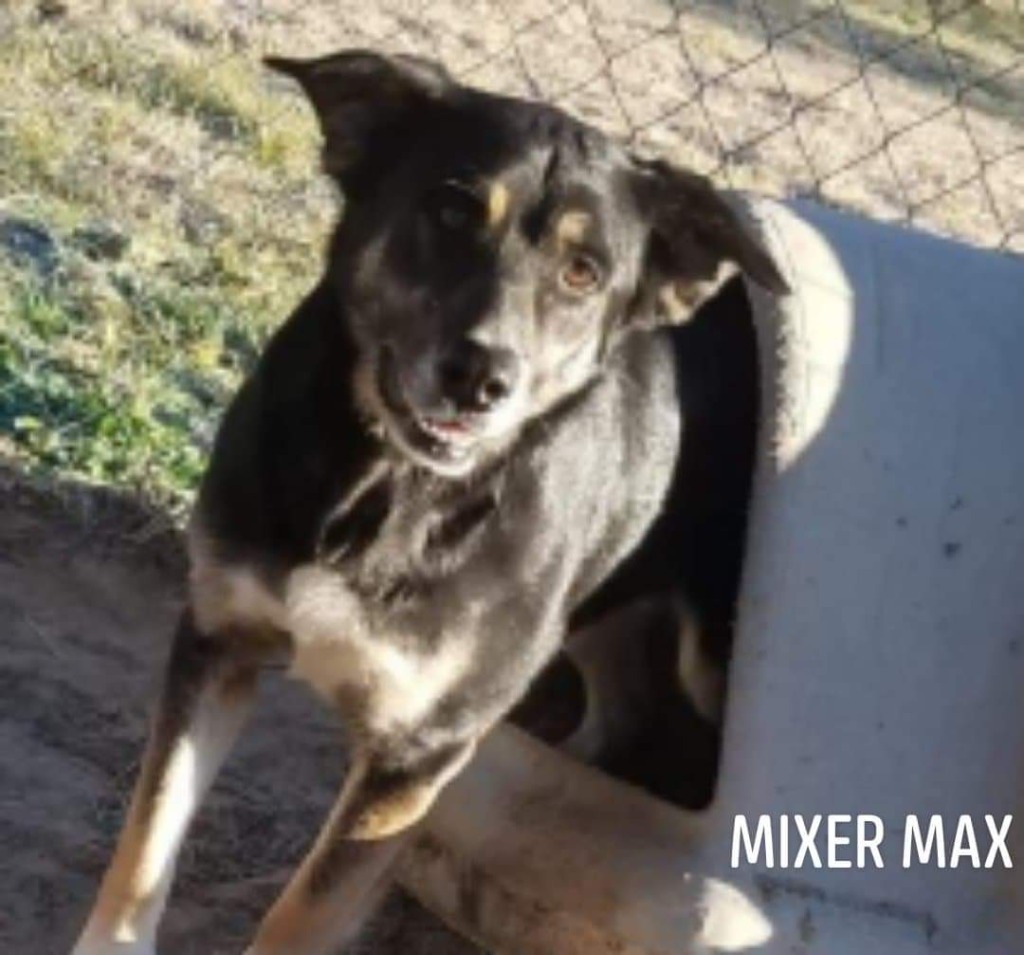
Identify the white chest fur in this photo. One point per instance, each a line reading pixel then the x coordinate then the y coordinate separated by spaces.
pixel 335 648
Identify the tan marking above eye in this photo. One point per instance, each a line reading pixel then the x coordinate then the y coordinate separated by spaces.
pixel 571 228
pixel 497 203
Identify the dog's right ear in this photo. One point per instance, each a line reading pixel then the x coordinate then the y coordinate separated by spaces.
pixel 369 106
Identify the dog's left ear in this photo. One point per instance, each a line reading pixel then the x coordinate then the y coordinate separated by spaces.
pixel 370 107
pixel 695 242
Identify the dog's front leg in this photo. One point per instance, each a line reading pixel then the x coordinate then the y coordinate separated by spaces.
pixel 206 695
pixel 348 868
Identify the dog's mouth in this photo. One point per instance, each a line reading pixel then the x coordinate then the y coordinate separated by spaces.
pixel 444 443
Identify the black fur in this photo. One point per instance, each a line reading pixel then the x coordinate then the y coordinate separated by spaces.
pixel 577 503
pixel 479 434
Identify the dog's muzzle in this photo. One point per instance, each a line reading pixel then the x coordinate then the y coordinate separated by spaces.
pixel 446 440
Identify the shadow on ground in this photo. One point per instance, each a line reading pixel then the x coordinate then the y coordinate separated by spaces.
pixel 907 44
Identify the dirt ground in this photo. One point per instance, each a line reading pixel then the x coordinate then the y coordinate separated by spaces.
pixel 89 587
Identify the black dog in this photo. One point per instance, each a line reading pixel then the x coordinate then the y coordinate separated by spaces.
pixel 466 436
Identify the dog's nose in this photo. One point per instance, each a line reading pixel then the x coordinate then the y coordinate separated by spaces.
pixel 477 378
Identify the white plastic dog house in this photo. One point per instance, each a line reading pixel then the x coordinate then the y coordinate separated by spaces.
pixel 879 666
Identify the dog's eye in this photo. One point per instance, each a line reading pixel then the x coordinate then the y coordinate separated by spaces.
pixel 580 274
pixel 454 207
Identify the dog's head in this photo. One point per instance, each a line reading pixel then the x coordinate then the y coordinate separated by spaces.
pixel 492 250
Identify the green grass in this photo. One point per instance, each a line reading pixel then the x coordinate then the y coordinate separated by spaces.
pixel 119 387
pixel 116 369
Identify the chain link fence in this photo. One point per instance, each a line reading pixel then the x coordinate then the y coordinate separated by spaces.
pixel 907 118
pixel 907 110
